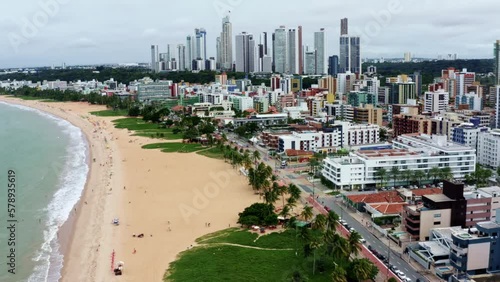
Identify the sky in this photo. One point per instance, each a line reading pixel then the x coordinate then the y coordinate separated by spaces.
pixel 84 32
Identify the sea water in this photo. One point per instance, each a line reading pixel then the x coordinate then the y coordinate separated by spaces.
pixel 49 157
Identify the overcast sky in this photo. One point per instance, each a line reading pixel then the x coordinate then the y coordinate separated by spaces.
pixel 121 31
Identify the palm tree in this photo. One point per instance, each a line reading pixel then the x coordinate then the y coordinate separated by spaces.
pixel 319 222
pixel 419 175
pixel 339 274
pixel 270 196
pixel 294 191
pixel 395 172
pixel 256 156
pixel 332 221
pixel 307 213
pixel 354 243
pixel 434 173
pixel 285 212
pixel 363 269
pixel 406 174
pixel 445 173
pixel 381 173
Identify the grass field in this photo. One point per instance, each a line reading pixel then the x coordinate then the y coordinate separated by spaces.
pixel 214 261
pixel 110 113
pixel 213 153
pixel 175 147
pixel 146 129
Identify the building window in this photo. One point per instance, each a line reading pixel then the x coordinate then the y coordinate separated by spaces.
pixel 437 223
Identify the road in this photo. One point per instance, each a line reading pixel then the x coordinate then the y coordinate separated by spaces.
pixel 379 246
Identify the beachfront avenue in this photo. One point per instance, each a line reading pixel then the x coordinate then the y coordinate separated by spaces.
pixel 11 221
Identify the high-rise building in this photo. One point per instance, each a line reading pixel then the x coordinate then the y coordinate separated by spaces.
pixel 407 57
pixel 310 62
pixel 181 56
pixel 344 26
pixel 333 65
pixel 301 51
pixel 245 53
pixel 262 52
pixel 497 61
pixel 350 51
pixel 292 52
pixel 218 52
pixel 320 46
pixel 154 58
pixel 201 44
pixel 189 52
pixel 280 50
pixel 226 44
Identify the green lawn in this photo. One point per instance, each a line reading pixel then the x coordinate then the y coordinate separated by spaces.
pixel 213 153
pixel 212 261
pixel 175 147
pixel 110 113
pixel 146 129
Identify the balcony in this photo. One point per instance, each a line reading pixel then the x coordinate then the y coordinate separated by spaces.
pixel 459 251
pixel 412 220
pixel 409 227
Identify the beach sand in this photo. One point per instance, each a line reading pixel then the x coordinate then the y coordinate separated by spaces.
pixel 170 198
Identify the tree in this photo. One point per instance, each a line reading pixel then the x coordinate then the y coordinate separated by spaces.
pixel 256 214
pixel 354 243
pixel 434 173
pixel 381 173
pixel 307 213
pixel 294 192
pixel 419 175
pixel 392 279
pixel 256 156
pixel 395 172
pixel 362 269
pixel 332 221
pixel 339 274
pixel 406 175
pixel 134 111
pixel 445 173
pixel 319 222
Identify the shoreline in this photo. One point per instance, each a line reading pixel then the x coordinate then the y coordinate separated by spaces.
pixel 162 200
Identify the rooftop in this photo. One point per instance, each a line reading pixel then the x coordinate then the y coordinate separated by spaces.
pixel 428 191
pixel 385 153
pixel 489 225
pixel 389 208
pixel 440 142
pixel 382 197
pixel 438 198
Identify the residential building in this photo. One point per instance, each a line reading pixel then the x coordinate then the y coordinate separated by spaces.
pixel 366 114
pixel 476 252
pixel 496 51
pixel 200 44
pixel 292 52
pixel 468 134
pixel 411 152
pixel 280 50
pixel 497 106
pixel 310 62
pixel 407 124
pixel 241 103
pixel 245 53
pixel 344 26
pixel 320 47
pixel 469 101
pixel 181 55
pixel 333 65
pixel 436 101
pixel 226 45
pixel 154 91
pixel 488 148
pixel 154 58
pixel 401 89
pixel 189 52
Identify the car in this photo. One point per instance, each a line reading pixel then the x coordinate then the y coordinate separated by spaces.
pixel 393 268
pixel 362 240
pixel 347 226
pixel 381 257
pixel 406 279
pixel 370 248
pixel 352 230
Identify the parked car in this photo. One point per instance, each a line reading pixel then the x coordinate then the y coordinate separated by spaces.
pixel 362 240
pixel 352 230
pixel 393 268
pixel 370 248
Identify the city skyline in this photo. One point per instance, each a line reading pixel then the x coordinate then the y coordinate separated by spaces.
pixel 44 35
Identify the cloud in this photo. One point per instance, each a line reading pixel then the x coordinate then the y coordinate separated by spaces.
pixel 83 43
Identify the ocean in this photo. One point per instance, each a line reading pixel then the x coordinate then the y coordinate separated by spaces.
pixel 46 159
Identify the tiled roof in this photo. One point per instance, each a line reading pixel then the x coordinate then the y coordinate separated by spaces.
pixel 382 197
pixel 428 191
pixel 392 208
pixel 293 153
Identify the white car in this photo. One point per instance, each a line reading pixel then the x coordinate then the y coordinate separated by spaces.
pixel 362 240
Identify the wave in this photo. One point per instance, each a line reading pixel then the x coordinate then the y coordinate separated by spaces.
pixel 71 182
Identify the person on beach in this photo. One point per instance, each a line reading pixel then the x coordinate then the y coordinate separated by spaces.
pixel 134 251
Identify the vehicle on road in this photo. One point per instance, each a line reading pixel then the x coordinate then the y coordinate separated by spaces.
pixel 352 230
pixel 362 240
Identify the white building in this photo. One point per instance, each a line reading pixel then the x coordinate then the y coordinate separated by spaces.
pixel 497 106
pixel 436 101
pixel 411 152
pixel 241 103
pixel 488 149
pixel 342 134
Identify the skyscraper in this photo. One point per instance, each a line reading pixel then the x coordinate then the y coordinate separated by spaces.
pixel 355 56
pixel 320 46
pixel 245 52
pixel 333 65
pixel 181 57
pixel 497 61
pixel 261 52
pixel 301 51
pixel 154 58
pixel 201 44
pixel 292 52
pixel 310 61
pixel 226 44
pixel 280 50
pixel 350 51
pixel 218 52
pixel 344 26
pixel 189 52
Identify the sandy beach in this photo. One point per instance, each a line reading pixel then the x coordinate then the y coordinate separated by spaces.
pixel 170 198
